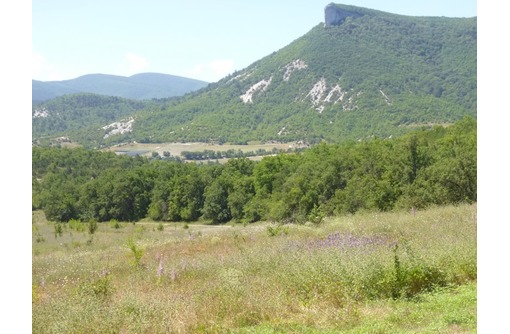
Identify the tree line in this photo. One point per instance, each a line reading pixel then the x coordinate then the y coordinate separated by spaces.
pixel 434 166
pixel 231 153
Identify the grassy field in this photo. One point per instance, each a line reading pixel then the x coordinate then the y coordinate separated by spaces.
pixel 365 273
pixel 175 149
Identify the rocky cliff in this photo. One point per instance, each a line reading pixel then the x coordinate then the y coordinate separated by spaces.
pixel 334 16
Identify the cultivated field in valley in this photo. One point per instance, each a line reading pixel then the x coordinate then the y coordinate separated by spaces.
pixel 176 149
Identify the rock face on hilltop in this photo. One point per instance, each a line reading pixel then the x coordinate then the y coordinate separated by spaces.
pixel 334 16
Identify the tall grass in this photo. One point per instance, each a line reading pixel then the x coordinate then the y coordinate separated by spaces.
pixel 347 274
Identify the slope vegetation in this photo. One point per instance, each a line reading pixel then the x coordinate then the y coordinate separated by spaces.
pixel 87 118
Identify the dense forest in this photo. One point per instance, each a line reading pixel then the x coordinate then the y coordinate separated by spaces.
pixel 429 166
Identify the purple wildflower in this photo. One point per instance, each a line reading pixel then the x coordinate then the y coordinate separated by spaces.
pixel 347 240
pixel 160 270
pixel 173 275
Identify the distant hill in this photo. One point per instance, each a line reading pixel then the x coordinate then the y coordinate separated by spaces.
pixel 360 73
pixel 139 86
pixel 85 117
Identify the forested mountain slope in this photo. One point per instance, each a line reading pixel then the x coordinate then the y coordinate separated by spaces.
pixel 86 118
pixel 371 74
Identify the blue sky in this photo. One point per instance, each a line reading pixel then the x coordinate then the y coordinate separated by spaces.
pixel 199 39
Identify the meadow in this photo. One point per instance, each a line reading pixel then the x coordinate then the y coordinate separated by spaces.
pixel 393 272
pixel 175 149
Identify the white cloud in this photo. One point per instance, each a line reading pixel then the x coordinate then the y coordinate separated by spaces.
pixel 211 71
pixel 221 67
pixel 42 70
pixel 134 64
pixel 37 64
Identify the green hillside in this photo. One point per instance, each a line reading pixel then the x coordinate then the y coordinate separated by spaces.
pixel 84 117
pixel 374 74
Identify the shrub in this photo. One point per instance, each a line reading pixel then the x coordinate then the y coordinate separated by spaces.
pixel 92 226
pixel 58 230
pixel 274 230
pixel 139 230
pixel 316 216
pixel 415 277
pixel 38 236
pixel 136 251
pixel 75 224
pixel 114 223
pixel 35 294
pixel 100 287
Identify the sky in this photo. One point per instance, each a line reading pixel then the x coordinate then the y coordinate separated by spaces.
pixel 199 39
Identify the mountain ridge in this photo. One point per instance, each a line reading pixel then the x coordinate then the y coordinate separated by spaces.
pixel 139 86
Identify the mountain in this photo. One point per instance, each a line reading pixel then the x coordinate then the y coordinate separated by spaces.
pixel 139 86
pixel 360 73
pixel 364 73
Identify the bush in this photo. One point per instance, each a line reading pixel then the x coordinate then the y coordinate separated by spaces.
pixel 415 277
pixel 136 251
pixel 76 225
pixel 316 216
pixel 58 230
pixel 35 294
pixel 274 230
pixel 100 287
pixel 114 223
pixel 92 226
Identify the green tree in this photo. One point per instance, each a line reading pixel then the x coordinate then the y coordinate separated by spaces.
pixel 216 202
